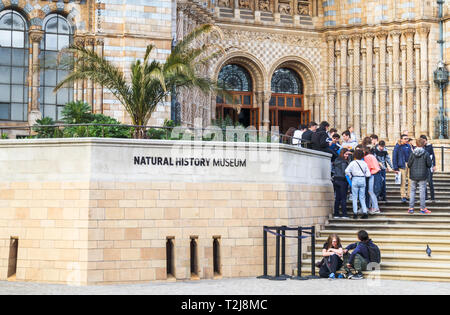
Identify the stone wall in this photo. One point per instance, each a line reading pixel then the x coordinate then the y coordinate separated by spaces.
pixel 85 213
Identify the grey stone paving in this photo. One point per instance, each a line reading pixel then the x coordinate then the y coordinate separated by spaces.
pixel 242 286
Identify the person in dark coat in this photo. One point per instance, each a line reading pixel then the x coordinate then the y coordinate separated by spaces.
pixel 307 135
pixel 340 184
pixel 319 140
pixel 429 148
pixel 400 157
pixel 419 164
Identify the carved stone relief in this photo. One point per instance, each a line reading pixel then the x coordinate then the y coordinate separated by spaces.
pixel 284 8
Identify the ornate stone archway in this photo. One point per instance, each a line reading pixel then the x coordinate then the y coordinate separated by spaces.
pixel 310 82
pixel 257 73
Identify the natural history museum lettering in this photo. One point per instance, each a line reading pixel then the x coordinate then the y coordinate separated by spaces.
pixel 188 162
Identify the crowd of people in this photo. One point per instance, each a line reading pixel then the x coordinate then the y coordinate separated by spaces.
pixel 359 167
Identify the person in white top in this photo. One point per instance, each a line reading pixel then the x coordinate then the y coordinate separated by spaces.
pixel 297 138
pixel 358 171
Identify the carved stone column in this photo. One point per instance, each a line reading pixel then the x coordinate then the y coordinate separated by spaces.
pixel 364 92
pixel 34 112
pixel 356 84
pixel 331 90
pixel 338 87
pixel 79 85
pixel 424 86
pixel 396 87
pixel 417 92
pixel 266 120
pixel 404 123
pixel 351 90
pixel 410 84
pixel 90 42
pixel 370 85
pixel 98 108
pixel 344 85
pixel 390 122
pixel 383 86
pixel 376 128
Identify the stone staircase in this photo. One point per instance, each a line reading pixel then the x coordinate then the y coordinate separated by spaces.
pixel 402 237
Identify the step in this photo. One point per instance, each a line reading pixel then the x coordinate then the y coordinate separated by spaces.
pixel 370 227
pixel 406 275
pixel 400 266
pixel 381 219
pixel 402 249
pixel 401 257
pixel 375 235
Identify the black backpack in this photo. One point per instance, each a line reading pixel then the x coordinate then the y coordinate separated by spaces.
pixel 374 253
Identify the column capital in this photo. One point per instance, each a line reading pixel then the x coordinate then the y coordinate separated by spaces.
pixel 382 35
pixel 376 50
pixel 395 34
pixel 424 30
pixel 90 40
pixel 99 41
pixel 79 40
pixel 390 49
pixel 363 51
pixel 409 33
pixel 330 38
pixel 369 36
pixel 417 46
pixel 36 35
pixel 343 37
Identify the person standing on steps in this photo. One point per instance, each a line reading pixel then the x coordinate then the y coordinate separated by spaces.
pixel 358 171
pixel 307 135
pixel 340 184
pixel 383 158
pixel 375 178
pixel 400 157
pixel 419 165
pixel 429 148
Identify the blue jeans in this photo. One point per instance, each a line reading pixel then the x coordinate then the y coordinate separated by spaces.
pixel 372 194
pixel 383 185
pixel 359 190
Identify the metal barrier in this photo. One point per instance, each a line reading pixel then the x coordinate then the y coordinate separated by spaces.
pixel 280 233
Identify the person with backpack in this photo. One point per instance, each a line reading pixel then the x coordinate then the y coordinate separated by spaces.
pixel 429 148
pixel 340 184
pixel 357 171
pixel 419 164
pixel 364 253
pixel 332 257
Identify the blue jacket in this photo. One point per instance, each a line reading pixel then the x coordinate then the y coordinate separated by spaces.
pixel 359 248
pixel 401 156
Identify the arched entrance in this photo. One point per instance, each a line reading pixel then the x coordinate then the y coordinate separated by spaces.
pixel 287 106
pixel 238 104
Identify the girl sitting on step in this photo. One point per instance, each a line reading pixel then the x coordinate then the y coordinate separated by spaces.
pixel 332 257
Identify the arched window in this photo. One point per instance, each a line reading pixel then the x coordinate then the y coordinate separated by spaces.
pixel 238 104
pixel 286 81
pixel 58 35
pixel 235 78
pixel 286 105
pixel 13 66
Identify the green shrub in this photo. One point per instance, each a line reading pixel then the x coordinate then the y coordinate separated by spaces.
pixel 5 136
pixel 76 113
pixel 46 132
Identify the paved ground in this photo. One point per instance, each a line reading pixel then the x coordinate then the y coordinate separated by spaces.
pixel 243 286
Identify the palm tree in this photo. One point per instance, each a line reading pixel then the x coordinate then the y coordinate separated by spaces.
pixel 151 81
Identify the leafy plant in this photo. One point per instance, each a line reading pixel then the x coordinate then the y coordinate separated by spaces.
pixel 43 129
pixel 5 136
pixel 76 113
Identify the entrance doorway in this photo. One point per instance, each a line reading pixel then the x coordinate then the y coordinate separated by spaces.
pixel 247 116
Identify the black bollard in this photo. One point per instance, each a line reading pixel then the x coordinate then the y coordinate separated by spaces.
pixel 299 256
pixel 313 251
pixel 265 275
pixel 277 262
pixel 283 253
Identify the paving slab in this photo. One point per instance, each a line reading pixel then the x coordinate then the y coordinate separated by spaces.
pixel 239 286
